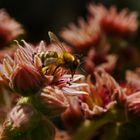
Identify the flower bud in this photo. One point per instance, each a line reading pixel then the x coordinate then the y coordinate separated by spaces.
pixel 23 117
pixel 52 101
pixel 26 80
pixel 25 122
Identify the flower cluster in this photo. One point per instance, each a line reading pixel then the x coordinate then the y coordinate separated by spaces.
pixel 33 73
pixel 101 95
pixel 46 92
pixel 97 36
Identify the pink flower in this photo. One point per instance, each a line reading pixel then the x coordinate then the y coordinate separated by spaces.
pixel 133 81
pixel 99 60
pixel 22 72
pixel 52 101
pixel 26 80
pixel 132 103
pixel 102 95
pixel 115 23
pixel 27 74
pixel 84 36
pixel 131 93
pixel 9 28
pixel 23 117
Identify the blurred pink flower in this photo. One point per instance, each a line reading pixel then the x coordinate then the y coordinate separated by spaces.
pixel 116 23
pixel 83 36
pixel 96 60
pixel 132 83
pixel 9 28
pixel 7 51
pixel 131 93
pixel 133 76
pixel 132 103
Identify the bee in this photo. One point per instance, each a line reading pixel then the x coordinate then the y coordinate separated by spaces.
pixel 59 59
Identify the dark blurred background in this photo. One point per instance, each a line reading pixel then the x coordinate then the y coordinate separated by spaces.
pixel 40 16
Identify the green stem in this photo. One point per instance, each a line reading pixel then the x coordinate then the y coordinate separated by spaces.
pixel 29 135
pixel 111 131
pixel 90 127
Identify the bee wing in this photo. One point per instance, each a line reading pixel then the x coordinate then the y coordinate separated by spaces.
pixel 53 47
pixel 50 61
pixel 55 40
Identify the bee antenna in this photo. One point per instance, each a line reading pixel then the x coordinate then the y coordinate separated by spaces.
pixel 79 56
pixel 83 70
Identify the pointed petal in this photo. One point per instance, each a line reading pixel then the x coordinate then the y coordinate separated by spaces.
pixel 29 48
pixel 7 68
pixel 41 47
pixel 75 85
pixel 72 92
pixel 37 61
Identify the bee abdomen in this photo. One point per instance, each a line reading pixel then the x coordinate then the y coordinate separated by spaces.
pixel 42 56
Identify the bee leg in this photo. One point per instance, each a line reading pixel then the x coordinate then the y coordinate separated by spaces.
pixel 72 74
pixel 55 69
pixel 44 70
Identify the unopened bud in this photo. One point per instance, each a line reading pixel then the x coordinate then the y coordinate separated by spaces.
pixel 26 80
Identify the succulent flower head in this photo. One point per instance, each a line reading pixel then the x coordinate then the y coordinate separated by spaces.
pixel 102 95
pixel 116 23
pixel 97 60
pixel 131 92
pixel 133 81
pixel 23 117
pixel 25 122
pixel 132 103
pixel 53 99
pixel 9 28
pixel 22 72
pixel 84 36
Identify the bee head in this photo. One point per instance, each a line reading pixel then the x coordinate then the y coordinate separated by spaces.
pixel 71 62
